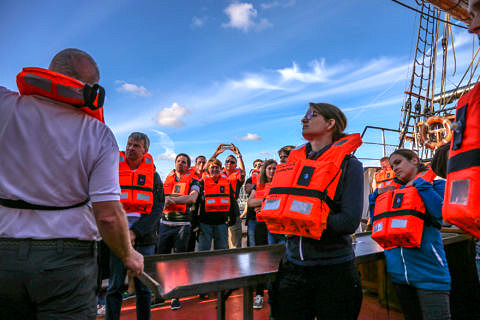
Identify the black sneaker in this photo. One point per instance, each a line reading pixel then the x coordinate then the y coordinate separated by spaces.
pixel 175 304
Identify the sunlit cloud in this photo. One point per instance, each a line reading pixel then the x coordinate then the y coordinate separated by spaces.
pixel 318 73
pixel 243 16
pixel 140 91
pixel 274 4
pixel 198 22
pixel 255 82
pixel 250 137
pixel 172 116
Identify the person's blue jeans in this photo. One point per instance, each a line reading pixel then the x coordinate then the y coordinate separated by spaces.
pixel 208 232
pixel 251 232
pixel 173 237
pixel 116 283
pixel 275 238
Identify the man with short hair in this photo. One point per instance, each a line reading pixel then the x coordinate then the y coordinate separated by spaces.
pixel 50 218
pixel 181 191
pixel 200 167
pixel 284 152
pixel 142 199
pixel 236 178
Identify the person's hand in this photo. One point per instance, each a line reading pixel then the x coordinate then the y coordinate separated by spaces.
pixel 133 263
pixel 132 237
pixel 219 150
pixel 235 150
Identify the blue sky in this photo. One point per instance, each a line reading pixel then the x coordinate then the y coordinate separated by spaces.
pixel 194 74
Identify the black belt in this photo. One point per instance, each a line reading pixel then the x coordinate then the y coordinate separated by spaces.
pixel 65 242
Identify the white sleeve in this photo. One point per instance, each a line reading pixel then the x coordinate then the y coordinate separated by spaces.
pixel 104 181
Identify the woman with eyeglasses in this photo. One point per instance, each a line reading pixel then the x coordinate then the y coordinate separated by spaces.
pixel 318 277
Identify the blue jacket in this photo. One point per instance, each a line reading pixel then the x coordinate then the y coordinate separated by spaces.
pixel 425 267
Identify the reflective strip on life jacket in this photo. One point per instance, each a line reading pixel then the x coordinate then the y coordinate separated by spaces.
pixel 462 201
pixel 136 186
pixel 302 190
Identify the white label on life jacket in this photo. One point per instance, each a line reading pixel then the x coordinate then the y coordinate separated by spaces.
pixel 210 201
pixel 143 197
pixel 399 223
pixel 224 200
pixel 273 204
pixel 378 227
pixel 124 195
pixel 301 207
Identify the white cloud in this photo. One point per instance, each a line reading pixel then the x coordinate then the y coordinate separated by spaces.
pixel 273 4
pixel 265 153
pixel 140 91
pixel 243 16
pixel 319 73
pixel 254 82
pixel 167 144
pixel 171 116
pixel 198 22
pixel 250 137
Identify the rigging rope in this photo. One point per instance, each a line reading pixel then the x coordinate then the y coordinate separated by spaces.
pixel 416 10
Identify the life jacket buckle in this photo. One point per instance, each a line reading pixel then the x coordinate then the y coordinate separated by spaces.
pixel 90 94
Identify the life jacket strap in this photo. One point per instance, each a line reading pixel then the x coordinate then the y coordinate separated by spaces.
pixel 20 204
pixel 424 216
pixel 137 188
pixel 216 195
pixel 464 160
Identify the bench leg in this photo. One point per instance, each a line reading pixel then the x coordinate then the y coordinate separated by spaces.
pixel 248 303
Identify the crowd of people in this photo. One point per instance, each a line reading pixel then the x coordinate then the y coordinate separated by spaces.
pixel 80 189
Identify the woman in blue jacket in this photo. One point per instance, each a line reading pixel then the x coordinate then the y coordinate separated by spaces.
pixel 420 274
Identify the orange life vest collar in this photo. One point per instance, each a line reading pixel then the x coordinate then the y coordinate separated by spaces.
pixel 137 185
pixel 59 87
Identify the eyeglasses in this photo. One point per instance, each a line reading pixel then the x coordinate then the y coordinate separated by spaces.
pixel 310 114
pixel 258 165
pixel 230 161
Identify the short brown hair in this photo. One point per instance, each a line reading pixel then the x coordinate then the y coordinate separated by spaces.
pixel 329 111
pixel 214 161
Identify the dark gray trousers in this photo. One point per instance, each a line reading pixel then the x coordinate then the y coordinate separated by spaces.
pixel 47 279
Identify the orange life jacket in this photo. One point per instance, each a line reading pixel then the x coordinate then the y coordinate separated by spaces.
pixel 400 215
pixel 217 194
pixel 59 87
pixel 233 178
pixel 302 190
pixel 172 188
pixel 255 176
pixel 462 201
pixel 136 185
pixel 384 180
pixel 262 191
